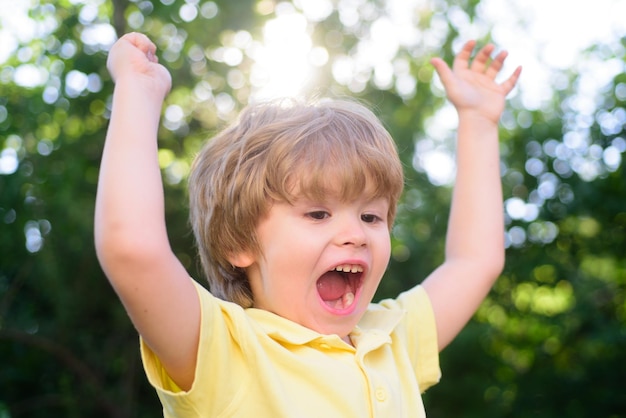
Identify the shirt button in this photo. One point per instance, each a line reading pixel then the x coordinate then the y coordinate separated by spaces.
pixel 381 395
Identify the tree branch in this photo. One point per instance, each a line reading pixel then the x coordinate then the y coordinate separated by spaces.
pixel 119 21
pixel 77 366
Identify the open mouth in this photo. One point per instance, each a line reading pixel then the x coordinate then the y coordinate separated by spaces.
pixel 338 287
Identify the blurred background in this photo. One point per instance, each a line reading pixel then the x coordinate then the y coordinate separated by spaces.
pixel 550 340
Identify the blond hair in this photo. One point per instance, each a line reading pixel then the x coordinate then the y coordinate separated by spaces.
pixel 278 151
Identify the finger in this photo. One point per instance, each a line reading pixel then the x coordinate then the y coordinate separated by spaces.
pixel 510 83
pixel 143 43
pixel 496 65
pixel 481 59
pixel 445 73
pixel 461 61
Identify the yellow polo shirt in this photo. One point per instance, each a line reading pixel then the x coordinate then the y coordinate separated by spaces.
pixel 255 364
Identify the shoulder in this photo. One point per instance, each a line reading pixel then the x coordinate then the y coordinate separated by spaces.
pixel 414 302
pixel 224 328
pixel 417 332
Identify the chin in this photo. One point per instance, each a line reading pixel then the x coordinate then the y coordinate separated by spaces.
pixel 341 327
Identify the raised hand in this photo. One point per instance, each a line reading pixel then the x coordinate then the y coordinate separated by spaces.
pixel 134 56
pixel 470 84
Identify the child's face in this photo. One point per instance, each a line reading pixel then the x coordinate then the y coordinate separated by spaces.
pixel 304 245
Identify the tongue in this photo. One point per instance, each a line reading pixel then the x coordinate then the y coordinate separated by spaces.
pixel 332 286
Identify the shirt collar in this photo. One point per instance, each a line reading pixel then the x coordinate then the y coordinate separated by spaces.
pixel 375 327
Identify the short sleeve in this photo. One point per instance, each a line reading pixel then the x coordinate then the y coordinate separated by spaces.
pixel 418 332
pixel 218 336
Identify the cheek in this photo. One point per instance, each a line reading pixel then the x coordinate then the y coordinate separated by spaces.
pixel 384 246
pixel 382 254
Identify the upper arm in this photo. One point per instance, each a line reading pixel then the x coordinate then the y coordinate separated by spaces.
pixel 161 301
pixel 456 289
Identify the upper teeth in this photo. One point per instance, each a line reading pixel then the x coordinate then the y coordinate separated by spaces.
pixel 349 268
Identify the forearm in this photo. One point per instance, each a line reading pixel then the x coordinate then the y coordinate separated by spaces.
pixel 475 231
pixel 129 204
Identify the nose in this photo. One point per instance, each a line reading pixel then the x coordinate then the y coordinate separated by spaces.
pixel 352 232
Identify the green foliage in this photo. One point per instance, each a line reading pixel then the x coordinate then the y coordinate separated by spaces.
pixel 550 340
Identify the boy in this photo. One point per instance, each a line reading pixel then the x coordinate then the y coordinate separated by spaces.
pixel 291 208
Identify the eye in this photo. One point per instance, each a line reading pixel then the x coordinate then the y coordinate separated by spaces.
pixel 318 215
pixel 370 218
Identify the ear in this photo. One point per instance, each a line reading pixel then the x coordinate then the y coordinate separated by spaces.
pixel 241 259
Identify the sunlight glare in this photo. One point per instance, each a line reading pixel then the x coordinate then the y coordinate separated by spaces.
pixel 283 64
pixel 315 10
pixel 15 27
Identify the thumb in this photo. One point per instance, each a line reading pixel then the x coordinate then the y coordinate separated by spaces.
pixel 140 41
